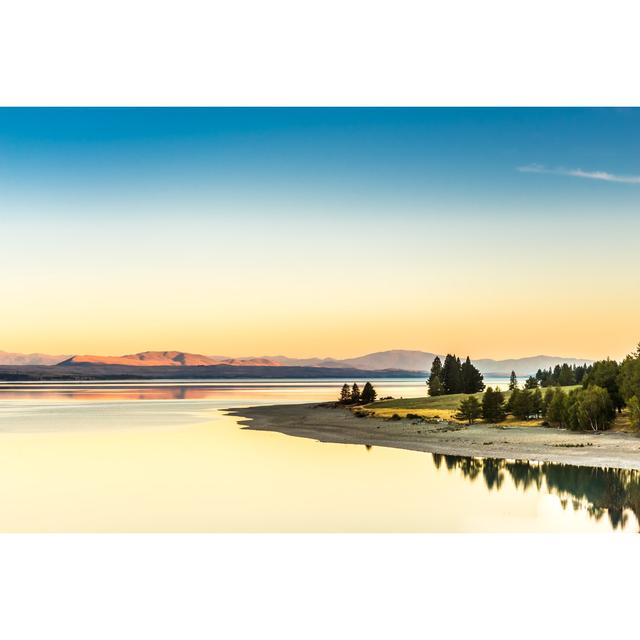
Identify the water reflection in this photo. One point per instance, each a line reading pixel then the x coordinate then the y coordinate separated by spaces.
pixel 598 491
pixel 295 390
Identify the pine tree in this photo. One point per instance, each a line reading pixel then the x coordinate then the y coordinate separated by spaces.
pixel 536 403
pixel 513 399
pixel 368 393
pixel 469 410
pixel 513 381
pixel 355 393
pixel 556 412
pixel 567 376
pixel 435 378
pixel 522 404
pixel 471 378
pixel 500 402
pixel 531 383
pixel 546 401
pixel 451 374
pixel 435 387
pixel 345 394
pixel 493 405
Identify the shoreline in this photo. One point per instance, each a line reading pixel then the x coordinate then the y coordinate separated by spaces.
pixel 338 425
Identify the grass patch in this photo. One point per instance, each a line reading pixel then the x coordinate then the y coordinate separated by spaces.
pixel 438 407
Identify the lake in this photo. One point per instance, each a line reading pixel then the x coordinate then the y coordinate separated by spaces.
pixel 163 456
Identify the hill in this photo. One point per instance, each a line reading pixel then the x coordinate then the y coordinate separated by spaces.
pixel 165 359
pixel 407 360
pixel 422 360
pixel 20 359
pixel 524 366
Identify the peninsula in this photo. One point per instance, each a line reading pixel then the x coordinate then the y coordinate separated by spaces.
pixel 332 423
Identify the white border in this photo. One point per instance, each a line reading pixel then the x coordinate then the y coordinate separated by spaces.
pixel 319 52
pixel 317 586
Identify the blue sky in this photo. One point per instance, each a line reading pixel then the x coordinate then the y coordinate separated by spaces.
pixel 365 158
pixel 286 208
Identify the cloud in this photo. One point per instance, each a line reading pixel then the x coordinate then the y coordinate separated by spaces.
pixel 579 173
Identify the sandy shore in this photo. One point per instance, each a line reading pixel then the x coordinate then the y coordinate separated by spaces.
pixel 328 424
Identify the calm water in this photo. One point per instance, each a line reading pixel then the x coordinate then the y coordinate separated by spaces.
pixel 165 457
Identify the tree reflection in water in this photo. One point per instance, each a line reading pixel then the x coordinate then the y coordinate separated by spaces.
pixel 599 491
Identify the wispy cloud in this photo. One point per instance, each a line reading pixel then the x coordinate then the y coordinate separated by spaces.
pixel 580 173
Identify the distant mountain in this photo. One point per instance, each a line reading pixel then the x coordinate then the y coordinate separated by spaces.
pixel 21 359
pixel 524 366
pixel 249 362
pixel 422 360
pixel 166 359
pixel 396 359
pixel 306 362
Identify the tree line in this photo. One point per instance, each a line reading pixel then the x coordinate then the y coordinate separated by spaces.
pixel 454 376
pixel 589 408
pixel 353 395
pixel 607 387
pixel 562 375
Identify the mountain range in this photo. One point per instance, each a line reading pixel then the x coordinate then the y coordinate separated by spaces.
pixel 28 359
pixel 397 359
pixel 169 359
pixel 422 360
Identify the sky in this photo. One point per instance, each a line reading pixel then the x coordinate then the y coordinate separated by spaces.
pixel 332 232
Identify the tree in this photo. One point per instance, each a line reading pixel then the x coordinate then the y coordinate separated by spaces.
pixel 345 394
pixel 629 376
pixel 556 412
pixel 513 381
pixel 581 371
pixel 590 408
pixel 566 376
pixel 546 400
pixel 471 378
pixel 634 411
pixel 493 405
pixel 435 378
pixel 469 410
pixel 536 402
pixel 531 383
pixel 368 393
pixel 522 404
pixel 435 387
pixel 451 374
pixel 544 376
pixel 605 373
pixel 355 393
